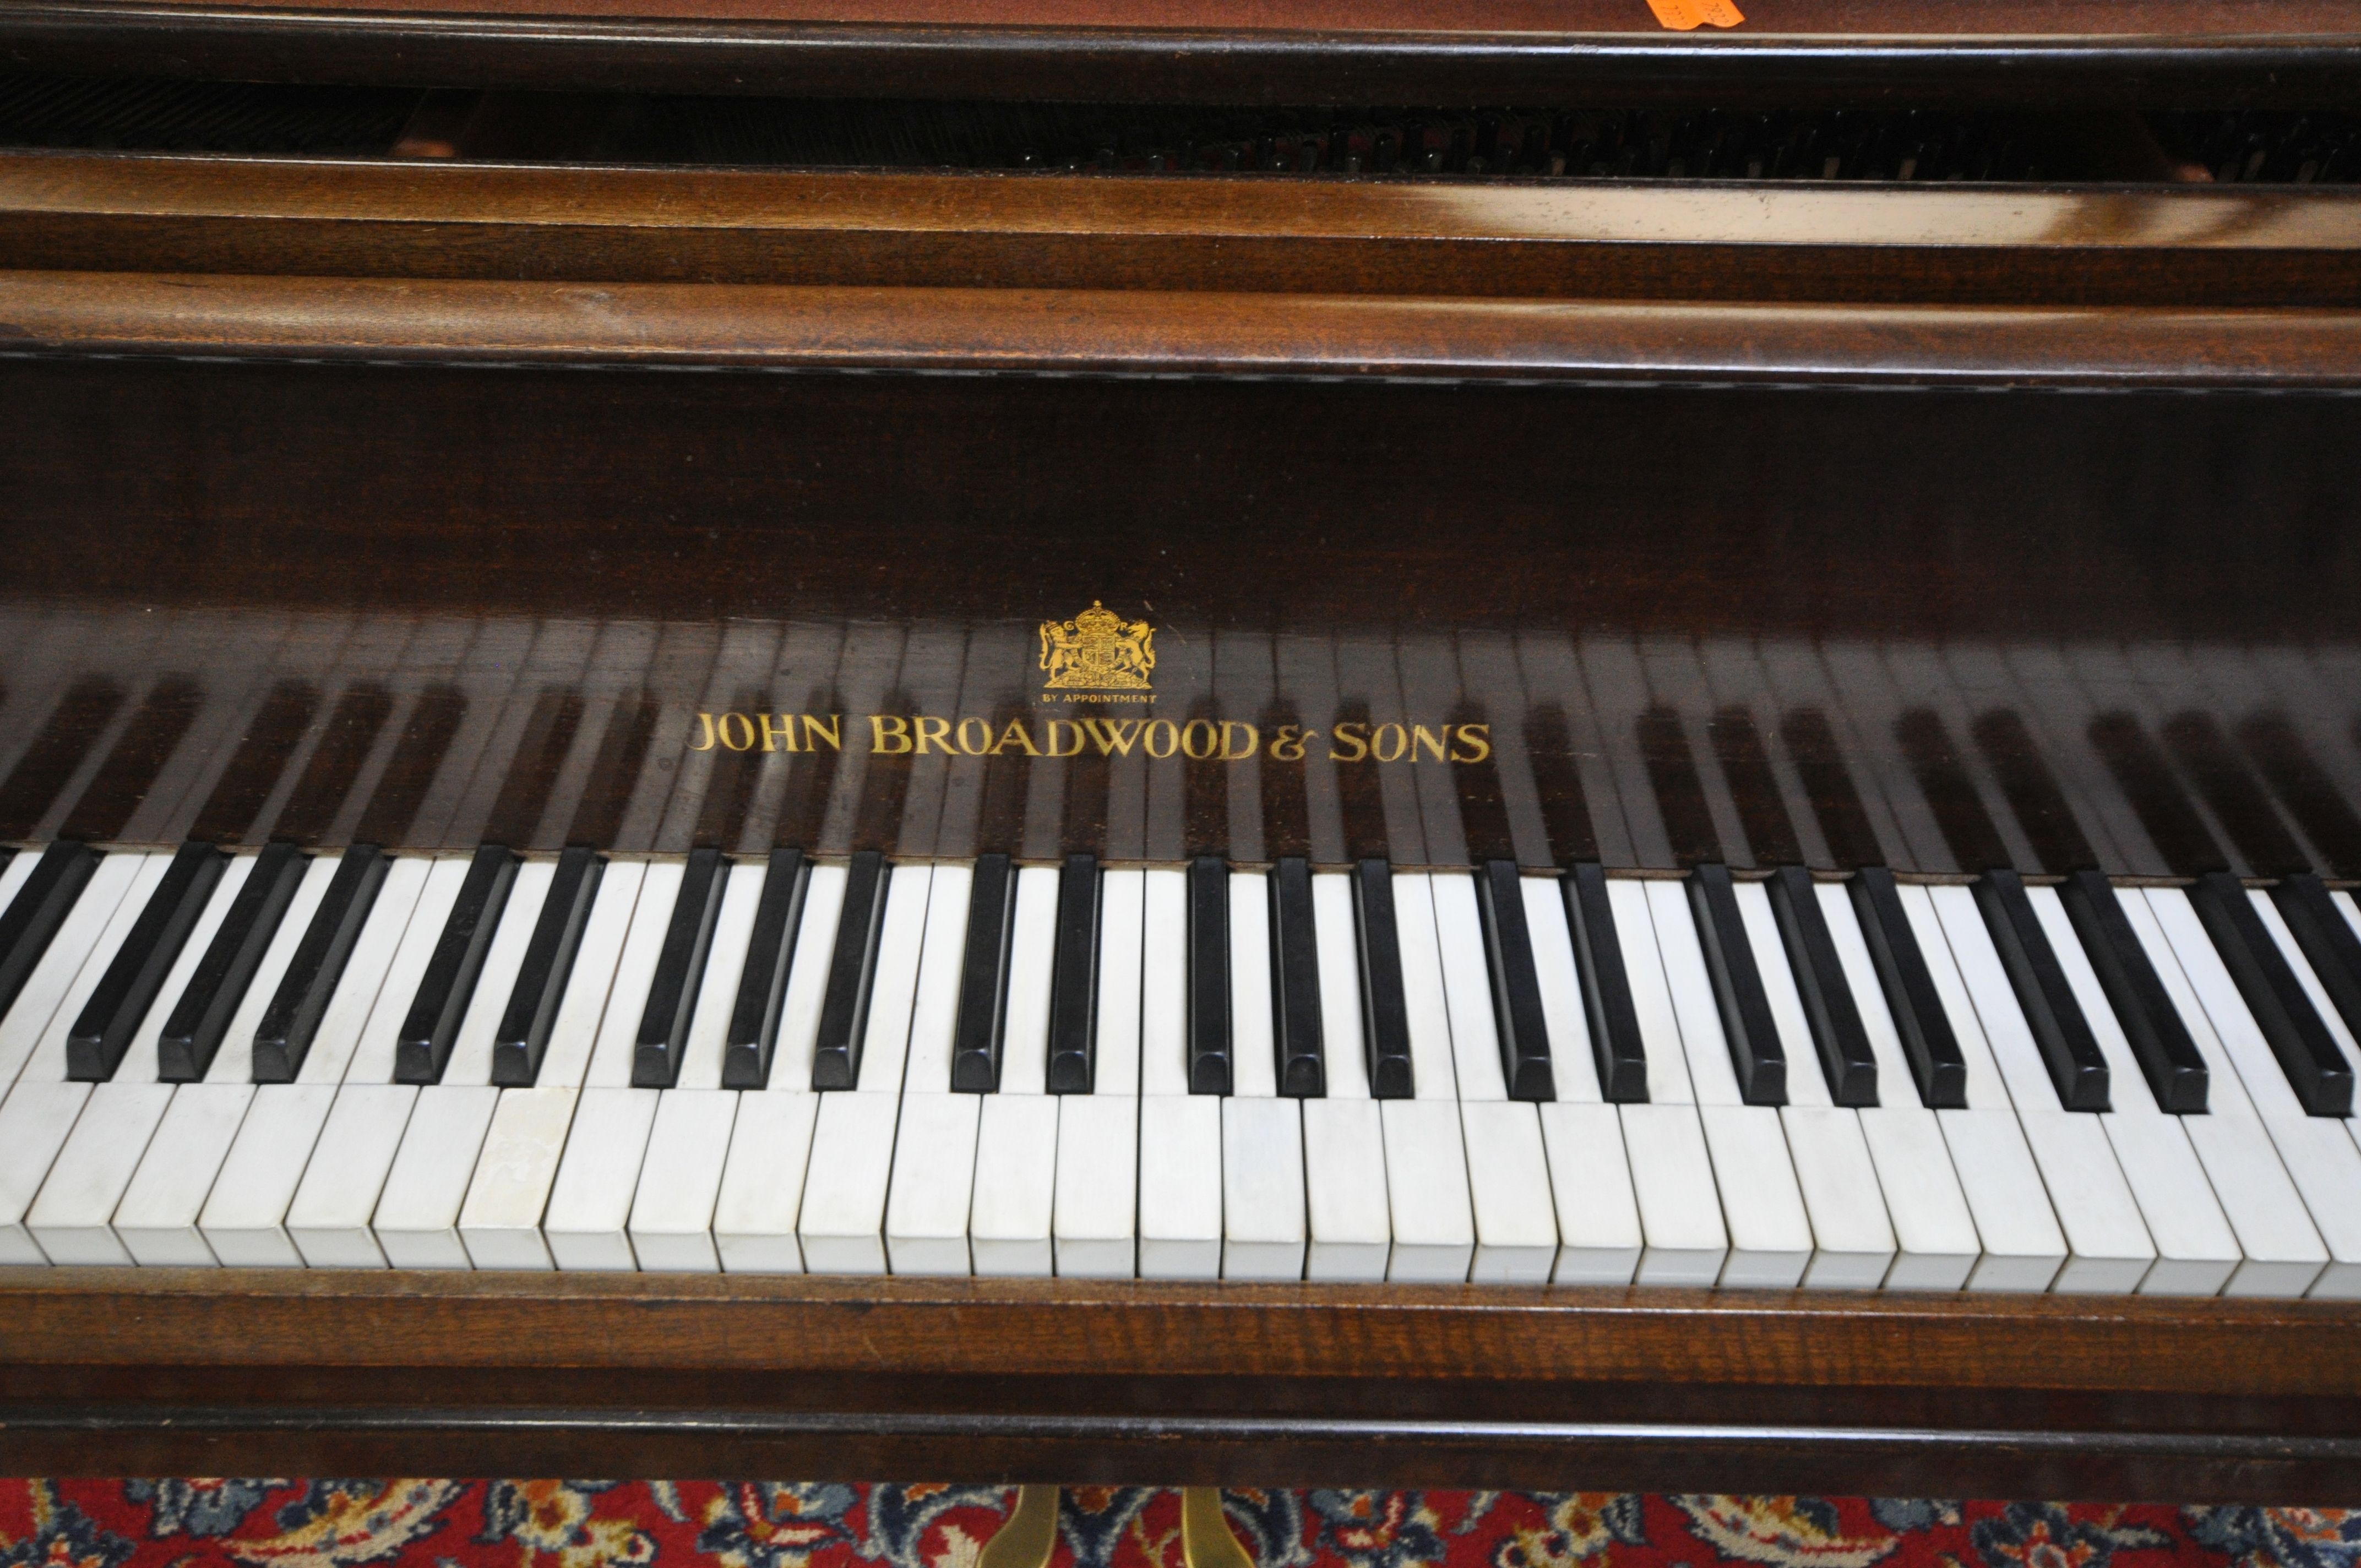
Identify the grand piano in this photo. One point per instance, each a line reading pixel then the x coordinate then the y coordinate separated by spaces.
pixel 1039 739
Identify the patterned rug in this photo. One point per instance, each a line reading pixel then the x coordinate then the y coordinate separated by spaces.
pixel 592 1524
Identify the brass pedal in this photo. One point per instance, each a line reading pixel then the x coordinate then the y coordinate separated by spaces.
pixel 1030 1534
pixel 1205 1538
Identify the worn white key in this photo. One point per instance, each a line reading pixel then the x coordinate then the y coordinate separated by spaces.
pixel 842 1223
pixel 672 1211
pixel 1263 1229
pixel 329 1219
pixel 69 1220
pixel 2111 1252
pixel 1343 1046
pixel 500 1222
pixel 245 1217
pixel 2024 1246
pixel 1253 1042
pixel 761 1202
pixel 157 1221
pixel 1936 1245
pixel 2317 1157
pixel 588 1224
pixel 1770 1234
pixel 1344 1189
pixel 934 1182
pixel 1164 985
pixel 2196 1253
pixel 1181 1187
pixel 1009 1224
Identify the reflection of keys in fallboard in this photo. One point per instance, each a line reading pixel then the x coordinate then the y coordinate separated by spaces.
pixel 775 1064
pixel 850 947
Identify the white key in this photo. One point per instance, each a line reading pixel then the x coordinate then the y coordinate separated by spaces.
pixel 763 1185
pixel 1467 991
pixel 1344 1188
pixel 1342 1044
pixel 245 1217
pixel 1936 1246
pixel 1032 959
pixel 635 974
pixel 1096 1202
pixel 2330 1017
pixel 1770 1234
pixel 1683 1238
pixel 157 1221
pixel 1590 1187
pixel 2320 1161
pixel 417 1219
pixel 893 993
pixel 1263 1230
pixel 1427 1196
pixel 2196 1253
pixel 500 1222
pixel 1179 1185
pixel 1122 922
pixel 717 989
pixel 1852 1241
pixel 45 1061
pixel 1015 1181
pixel 329 1219
pixel 1573 1063
pixel 807 990
pixel 139 1064
pixel 69 1220
pixel 1508 1181
pixel 1253 1042
pixel 1164 986
pixel 672 1211
pixel 934 1016
pixel 934 1182
pixel 2024 1246
pixel 843 1219
pixel 1432 1074
pixel 588 1221
pixel 2111 1252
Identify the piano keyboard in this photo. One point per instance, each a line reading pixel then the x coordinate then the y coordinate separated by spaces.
pixel 868 1065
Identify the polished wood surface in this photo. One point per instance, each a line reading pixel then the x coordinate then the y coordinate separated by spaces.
pixel 2162 52
pixel 2188 249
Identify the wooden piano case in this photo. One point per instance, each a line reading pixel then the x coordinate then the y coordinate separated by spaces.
pixel 2117 410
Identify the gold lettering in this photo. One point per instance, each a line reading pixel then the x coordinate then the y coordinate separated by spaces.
pixel 779 729
pixel 1113 736
pixel 1288 745
pixel 832 732
pixel 976 748
pixel 1420 737
pixel 1378 743
pixel 1016 733
pixel 1353 735
pixel 1194 749
pixel 1479 736
pixel 743 737
pixel 933 731
pixel 889 734
pixel 1234 751
pixel 1170 734
pixel 1057 751
pixel 706 720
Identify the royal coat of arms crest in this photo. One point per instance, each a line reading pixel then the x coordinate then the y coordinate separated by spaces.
pixel 1098 651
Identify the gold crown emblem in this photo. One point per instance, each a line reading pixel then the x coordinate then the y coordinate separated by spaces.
pixel 1098 651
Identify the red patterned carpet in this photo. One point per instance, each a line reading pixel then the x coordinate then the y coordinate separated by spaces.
pixel 590 1524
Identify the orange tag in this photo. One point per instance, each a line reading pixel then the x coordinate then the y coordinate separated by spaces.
pixel 1685 15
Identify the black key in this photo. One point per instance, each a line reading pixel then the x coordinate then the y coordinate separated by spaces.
pixel 1209 975
pixel 1846 1059
pixel 984 976
pixel 1606 989
pixel 548 962
pixel 1074 978
pixel 1295 981
pixel 423 1048
pixel 100 1037
pixel 2307 1051
pixel 844 1015
pixel 1927 1043
pixel 42 903
pixel 762 984
pixel 1385 1015
pixel 2328 944
pixel 284 1037
pixel 2068 1047
pixel 2158 1038
pixel 680 973
pixel 192 1035
pixel 1754 1048
pixel 1516 986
